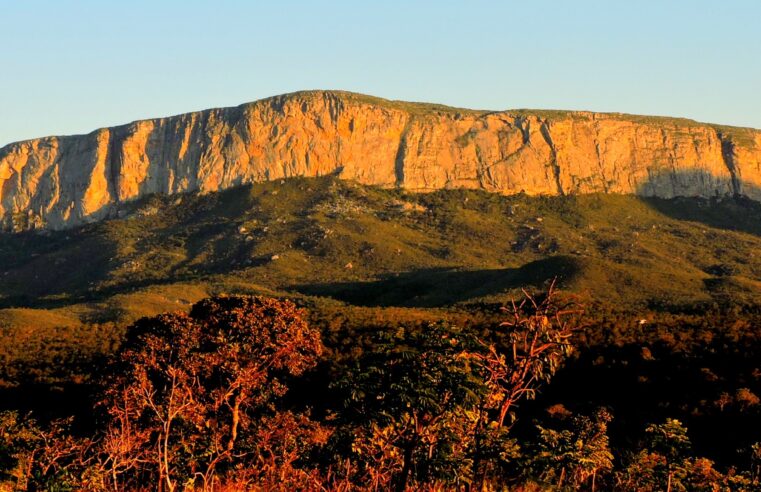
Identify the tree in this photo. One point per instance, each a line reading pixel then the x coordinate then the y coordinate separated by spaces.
pixel 670 441
pixel 664 463
pixel 190 393
pixel 536 339
pixel 433 403
pixel 33 458
pixel 410 398
pixel 18 440
pixel 755 463
pixel 574 455
pixel 723 400
pixel 746 398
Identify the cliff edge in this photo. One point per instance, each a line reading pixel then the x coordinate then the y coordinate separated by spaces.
pixel 59 182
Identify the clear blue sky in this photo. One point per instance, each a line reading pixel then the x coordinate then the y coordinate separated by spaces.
pixel 73 66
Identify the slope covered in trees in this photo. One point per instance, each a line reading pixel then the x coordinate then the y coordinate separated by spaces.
pixel 374 247
pixel 671 331
pixel 243 393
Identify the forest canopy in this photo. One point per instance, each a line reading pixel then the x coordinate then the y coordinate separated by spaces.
pixel 247 392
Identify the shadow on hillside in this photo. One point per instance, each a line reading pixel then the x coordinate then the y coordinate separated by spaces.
pixel 729 208
pixel 53 269
pixel 440 286
pixel 51 402
pixel 59 264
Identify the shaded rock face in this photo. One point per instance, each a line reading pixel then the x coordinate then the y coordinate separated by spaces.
pixel 58 182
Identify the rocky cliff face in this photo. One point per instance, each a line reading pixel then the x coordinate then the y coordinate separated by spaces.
pixel 58 182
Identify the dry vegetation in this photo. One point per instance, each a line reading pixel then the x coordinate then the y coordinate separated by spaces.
pixel 661 386
pixel 241 393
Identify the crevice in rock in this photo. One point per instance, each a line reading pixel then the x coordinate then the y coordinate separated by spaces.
pixel 400 151
pixel 483 172
pixel 335 106
pixel 728 156
pixel 599 166
pixel 545 130
pixel 113 163
pixel 524 125
pixel 598 153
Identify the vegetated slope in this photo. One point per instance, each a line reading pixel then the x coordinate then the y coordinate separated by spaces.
pixel 59 182
pixel 328 238
pixel 365 258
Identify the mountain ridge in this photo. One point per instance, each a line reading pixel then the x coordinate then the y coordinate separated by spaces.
pixel 402 103
pixel 60 182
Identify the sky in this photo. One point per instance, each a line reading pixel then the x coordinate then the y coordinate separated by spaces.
pixel 70 67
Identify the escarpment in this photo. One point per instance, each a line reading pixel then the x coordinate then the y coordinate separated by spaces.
pixel 58 182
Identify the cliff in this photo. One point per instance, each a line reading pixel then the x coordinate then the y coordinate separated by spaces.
pixel 58 182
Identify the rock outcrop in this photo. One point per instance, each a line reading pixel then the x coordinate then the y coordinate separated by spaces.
pixel 58 182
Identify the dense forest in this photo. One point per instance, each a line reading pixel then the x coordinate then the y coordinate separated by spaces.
pixel 322 335
pixel 247 392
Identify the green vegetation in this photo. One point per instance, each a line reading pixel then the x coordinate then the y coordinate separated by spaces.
pixel 326 237
pixel 242 393
pixel 741 135
pixel 671 288
pixel 414 108
pixel 334 246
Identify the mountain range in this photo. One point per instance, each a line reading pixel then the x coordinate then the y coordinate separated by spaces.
pixel 371 211
pixel 63 182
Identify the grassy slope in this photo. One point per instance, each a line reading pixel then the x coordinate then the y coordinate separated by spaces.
pixel 361 256
pixel 380 247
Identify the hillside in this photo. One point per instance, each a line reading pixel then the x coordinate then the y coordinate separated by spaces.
pixel 62 182
pixel 367 246
pixel 365 259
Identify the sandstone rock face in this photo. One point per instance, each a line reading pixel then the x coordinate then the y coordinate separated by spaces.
pixel 59 182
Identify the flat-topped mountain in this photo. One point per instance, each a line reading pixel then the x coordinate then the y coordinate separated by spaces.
pixel 58 182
